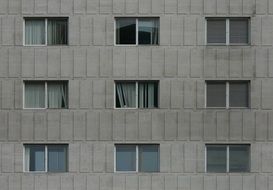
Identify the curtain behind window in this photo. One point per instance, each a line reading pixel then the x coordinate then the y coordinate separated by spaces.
pixel 57 31
pixel 57 95
pixel 126 95
pixel 147 95
pixel 57 161
pixel 148 31
pixel 34 32
pixel 35 95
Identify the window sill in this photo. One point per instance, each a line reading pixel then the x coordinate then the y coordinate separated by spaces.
pixel 226 45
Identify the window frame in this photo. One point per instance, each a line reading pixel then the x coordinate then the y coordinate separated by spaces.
pixel 137 30
pixel 46 94
pixel 227 146
pixel 45 32
pixel 137 158
pixel 227 21
pixel 136 96
pixel 25 170
pixel 227 97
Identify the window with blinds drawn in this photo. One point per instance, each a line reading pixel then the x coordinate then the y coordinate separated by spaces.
pixel 228 31
pixel 136 94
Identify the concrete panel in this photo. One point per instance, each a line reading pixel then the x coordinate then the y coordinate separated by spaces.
pixel 109 94
pixel 27 131
pixel 8 30
pixel 131 60
pixel 256 93
pixel 40 7
pixel 165 30
pixel 40 62
pixel 261 182
pixel 248 7
pixel 210 64
pixel 7 161
pixel 93 62
pixel 106 182
pixel 157 62
pixel 109 158
pixel 92 6
pixel 270 62
pixel 248 182
pixel 3 126
pixel 118 182
pixel 99 157
pixel 40 126
pixel 66 62
pixel 99 93
pixel 27 182
pixel 145 62
pixel 99 30
pixel 92 130
pixel 131 182
pixel 74 157
pixel 267 93
pixel 53 125
pixel 177 155
pixel 177 94
pixel 267 153
pixel 177 30
pixel 171 125
pixel 54 62
pixel 4 66
pixel 235 125
pixel 210 126
pixel 196 68
pixel 18 162
pixel 144 182
pixel 53 6
pixel 157 182
pixel 79 62
pixel 165 157
pixel 74 30
pixel 14 182
pixel 183 62
pixel 79 182
pixel 18 35
pixel 236 182
pixel 93 182
pixel 53 182
pixel 222 6
pixel 261 7
pixel 145 6
pixel 40 182
pixel 86 152
pixel 131 123
pixel 196 6
pixel 267 29
pixel 190 157
pixel 256 157
pixel 119 62
pixel 190 30
pixel 7 94
pixel 158 121
pixel 79 6
pixel 105 6
pixel 66 182
pixel 4 6
pixel 196 126
pixel 183 126
pixel 201 27
pixel 14 133
pixel 248 126
pixel 270 126
pixel 145 125
pixel 66 126
pixel 118 6
pixel 236 7
pixel 235 63
pixel 165 91
pixel 66 6
pixel 27 62
pixel 157 6
pixel 184 182
pixel 109 31
pixel 27 6
pixel 261 126
pixel 171 7
pixel 248 62
pixel 184 6
pixel 106 129
pixel 14 62
pixel 85 94
pixel 197 182
pixel 18 89
pixel 170 62
pixel 222 125
pixel 210 183
pixel 119 125
pixel 189 94
pixel 256 30
pixel 222 182
pixel 200 94
pixel 170 182
pixel 79 126
pixel 210 6
pixel 106 63
pixel 131 6
pixel 222 62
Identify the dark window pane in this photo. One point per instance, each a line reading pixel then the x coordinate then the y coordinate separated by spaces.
pixel 148 31
pixel 238 94
pixel 57 95
pixel 36 157
pixel 147 94
pixel 148 158
pixel 216 158
pixel 125 158
pixel 57 158
pixel 216 31
pixel 239 31
pixel 125 94
pixel 216 94
pixel 239 158
pixel 126 31
pixel 57 31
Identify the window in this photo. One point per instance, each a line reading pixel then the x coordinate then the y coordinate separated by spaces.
pixel 228 31
pixel 137 158
pixel 46 31
pixel 45 158
pixel 140 94
pixel 137 31
pixel 227 94
pixel 49 94
pixel 228 158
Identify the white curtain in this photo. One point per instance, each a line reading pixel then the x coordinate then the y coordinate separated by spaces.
pixel 126 95
pixel 34 32
pixel 34 95
pixel 57 95
pixel 155 33
pixel 146 95
pixel 56 32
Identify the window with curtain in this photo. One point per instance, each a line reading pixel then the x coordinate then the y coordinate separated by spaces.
pixel 36 156
pixel 137 31
pixel 137 158
pixel 49 94
pixel 228 31
pixel 46 31
pixel 139 94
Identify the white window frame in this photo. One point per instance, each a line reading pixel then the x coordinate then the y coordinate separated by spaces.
pixel 227 83
pixel 46 94
pixel 227 157
pixel 137 28
pixel 227 20
pixel 137 158
pixel 45 33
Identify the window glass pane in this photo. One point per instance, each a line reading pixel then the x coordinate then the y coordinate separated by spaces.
pixel 57 31
pixel 239 158
pixel 238 94
pixel 34 94
pixel 216 94
pixel 238 31
pixel 34 31
pixel 125 157
pixel 126 95
pixel 216 158
pixel 57 94
pixel 57 158
pixel 147 94
pixel 148 158
pixel 216 31
pixel 148 31
pixel 126 31
pixel 36 157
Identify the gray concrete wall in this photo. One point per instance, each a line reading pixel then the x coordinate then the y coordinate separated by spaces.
pixel 91 126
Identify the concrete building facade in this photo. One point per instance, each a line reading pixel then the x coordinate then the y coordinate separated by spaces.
pixel 181 125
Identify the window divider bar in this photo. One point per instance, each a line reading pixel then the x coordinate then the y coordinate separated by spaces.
pixel 228 158
pixel 227 31
pixel 46 99
pixel 136 31
pixel 227 95
pixel 46 158
pixel 137 95
pixel 137 160
pixel 46 31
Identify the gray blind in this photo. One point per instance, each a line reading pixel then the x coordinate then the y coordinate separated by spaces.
pixel 238 30
pixel 239 158
pixel 216 158
pixel 238 94
pixel 216 94
pixel 216 31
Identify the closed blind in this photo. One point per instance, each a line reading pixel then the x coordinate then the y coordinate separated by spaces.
pixel 238 94
pixel 239 31
pixel 216 94
pixel 216 31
